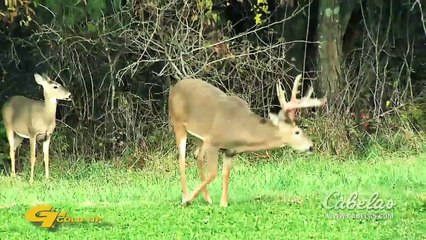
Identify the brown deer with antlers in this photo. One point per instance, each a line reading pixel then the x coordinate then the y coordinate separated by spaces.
pixel 226 122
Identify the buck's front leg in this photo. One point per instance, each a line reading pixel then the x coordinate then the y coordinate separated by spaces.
pixel 225 181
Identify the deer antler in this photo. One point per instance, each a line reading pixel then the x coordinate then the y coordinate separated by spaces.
pixel 289 108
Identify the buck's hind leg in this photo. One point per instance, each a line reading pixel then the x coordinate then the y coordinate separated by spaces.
pixel 181 135
pixel 212 159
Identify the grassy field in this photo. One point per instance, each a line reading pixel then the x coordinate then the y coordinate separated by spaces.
pixel 269 199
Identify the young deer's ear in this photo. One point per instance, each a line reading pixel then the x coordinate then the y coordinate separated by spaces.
pixel 47 78
pixel 39 79
pixel 274 118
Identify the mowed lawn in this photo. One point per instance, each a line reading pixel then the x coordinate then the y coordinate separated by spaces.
pixel 279 198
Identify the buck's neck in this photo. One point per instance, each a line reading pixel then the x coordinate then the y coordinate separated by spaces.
pixel 262 135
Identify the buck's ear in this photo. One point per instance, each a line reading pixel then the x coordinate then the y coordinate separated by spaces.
pixel 282 115
pixel 287 117
pixel 274 118
pixel 39 79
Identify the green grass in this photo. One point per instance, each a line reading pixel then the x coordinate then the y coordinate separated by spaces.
pixel 274 199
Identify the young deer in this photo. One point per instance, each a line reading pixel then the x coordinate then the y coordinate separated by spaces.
pixel 27 118
pixel 226 122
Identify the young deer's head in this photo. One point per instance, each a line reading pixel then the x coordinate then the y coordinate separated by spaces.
pixel 52 89
pixel 292 135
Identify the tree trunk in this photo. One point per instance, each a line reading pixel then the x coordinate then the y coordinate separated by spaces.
pixel 333 18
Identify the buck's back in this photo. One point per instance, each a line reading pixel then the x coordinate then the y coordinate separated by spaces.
pixel 193 99
pixel 201 106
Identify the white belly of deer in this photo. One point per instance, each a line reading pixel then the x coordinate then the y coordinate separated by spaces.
pixel 22 135
pixel 195 135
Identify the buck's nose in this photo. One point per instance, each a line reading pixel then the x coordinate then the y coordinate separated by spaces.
pixel 311 149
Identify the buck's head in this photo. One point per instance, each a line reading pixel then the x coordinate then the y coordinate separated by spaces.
pixel 291 134
pixel 51 88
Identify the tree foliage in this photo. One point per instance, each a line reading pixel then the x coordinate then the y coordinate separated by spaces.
pixel 120 58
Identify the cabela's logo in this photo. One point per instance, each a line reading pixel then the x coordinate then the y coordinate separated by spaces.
pixel 48 217
pixel 337 201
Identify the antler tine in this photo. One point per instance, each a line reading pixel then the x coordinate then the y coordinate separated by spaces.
pixel 307 101
pixel 281 95
pixel 309 93
pixel 295 88
pixel 294 103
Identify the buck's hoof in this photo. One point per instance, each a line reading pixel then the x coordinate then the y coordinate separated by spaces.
pixel 186 201
pixel 208 200
pixel 224 204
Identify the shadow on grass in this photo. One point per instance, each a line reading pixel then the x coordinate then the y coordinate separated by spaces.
pixel 58 226
pixel 273 198
pixel 86 224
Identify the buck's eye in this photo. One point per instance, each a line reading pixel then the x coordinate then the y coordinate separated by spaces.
pixel 297 132
pixel 55 87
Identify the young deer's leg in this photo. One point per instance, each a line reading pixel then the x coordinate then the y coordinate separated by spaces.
pixel 17 143
pixel 11 139
pixel 227 160
pixel 33 141
pixel 46 156
pixel 200 155
pixel 212 158
pixel 180 134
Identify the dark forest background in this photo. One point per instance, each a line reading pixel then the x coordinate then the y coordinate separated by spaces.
pixel 119 58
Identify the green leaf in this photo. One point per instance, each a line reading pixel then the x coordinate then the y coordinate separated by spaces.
pixel 69 20
pixel 91 27
pixel 336 10
pixel 54 6
pixel 258 19
pixel 328 12
pixel 215 17
pixel 96 8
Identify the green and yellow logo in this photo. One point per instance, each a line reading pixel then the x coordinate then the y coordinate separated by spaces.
pixel 48 217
